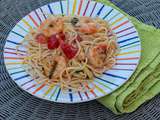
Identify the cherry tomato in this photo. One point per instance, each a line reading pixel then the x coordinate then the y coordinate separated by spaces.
pixel 69 50
pixel 53 42
pixel 41 38
pixel 61 36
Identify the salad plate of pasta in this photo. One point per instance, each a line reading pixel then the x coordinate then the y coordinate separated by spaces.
pixel 72 51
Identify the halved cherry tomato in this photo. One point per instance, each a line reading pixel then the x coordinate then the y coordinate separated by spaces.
pixel 53 42
pixel 61 36
pixel 69 50
pixel 41 38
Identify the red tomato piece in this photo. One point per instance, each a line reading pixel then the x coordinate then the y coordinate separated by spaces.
pixel 61 36
pixel 69 50
pixel 53 42
pixel 41 38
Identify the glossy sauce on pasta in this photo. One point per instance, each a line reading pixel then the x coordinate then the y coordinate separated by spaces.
pixel 70 51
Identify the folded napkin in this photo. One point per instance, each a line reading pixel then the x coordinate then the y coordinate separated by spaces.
pixel 144 84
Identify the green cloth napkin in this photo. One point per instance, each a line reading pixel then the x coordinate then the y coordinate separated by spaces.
pixel 144 84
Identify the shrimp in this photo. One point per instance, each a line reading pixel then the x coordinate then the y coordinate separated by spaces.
pixel 97 55
pixel 101 54
pixel 60 65
pixel 87 25
pixel 88 28
pixel 51 26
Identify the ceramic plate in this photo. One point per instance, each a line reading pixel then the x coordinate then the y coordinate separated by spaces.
pixel 127 59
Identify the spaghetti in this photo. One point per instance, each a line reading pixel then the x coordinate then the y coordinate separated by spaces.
pixel 70 51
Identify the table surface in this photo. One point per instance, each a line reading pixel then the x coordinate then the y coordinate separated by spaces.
pixel 16 104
